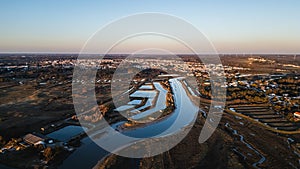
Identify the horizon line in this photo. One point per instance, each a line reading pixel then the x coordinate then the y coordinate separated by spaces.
pixel 225 53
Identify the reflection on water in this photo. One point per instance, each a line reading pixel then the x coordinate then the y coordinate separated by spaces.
pixel 87 155
pixel 66 133
pixel 144 94
pixel 160 103
pixel 146 87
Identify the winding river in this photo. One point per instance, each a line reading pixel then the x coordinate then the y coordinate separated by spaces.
pixel 262 158
pixel 89 153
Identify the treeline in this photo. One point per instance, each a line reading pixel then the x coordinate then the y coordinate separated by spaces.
pixel 245 95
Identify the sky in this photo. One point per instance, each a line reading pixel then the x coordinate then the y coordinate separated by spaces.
pixel 232 26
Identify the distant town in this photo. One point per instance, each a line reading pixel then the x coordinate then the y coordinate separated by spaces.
pixel 39 127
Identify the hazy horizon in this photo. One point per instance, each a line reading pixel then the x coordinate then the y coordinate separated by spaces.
pixel 238 27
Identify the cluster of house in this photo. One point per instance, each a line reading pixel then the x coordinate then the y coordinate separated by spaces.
pixel 36 139
pixel 28 140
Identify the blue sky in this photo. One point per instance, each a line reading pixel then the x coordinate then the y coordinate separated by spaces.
pixel 233 26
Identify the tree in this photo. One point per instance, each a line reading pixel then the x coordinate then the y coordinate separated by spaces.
pixel 48 154
pixel 103 108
